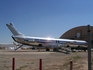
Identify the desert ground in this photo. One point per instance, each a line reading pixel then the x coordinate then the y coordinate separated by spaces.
pixel 29 60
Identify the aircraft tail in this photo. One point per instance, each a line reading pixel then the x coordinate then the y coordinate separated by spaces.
pixel 13 29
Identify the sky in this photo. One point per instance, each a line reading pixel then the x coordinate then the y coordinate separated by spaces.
pixel 43 18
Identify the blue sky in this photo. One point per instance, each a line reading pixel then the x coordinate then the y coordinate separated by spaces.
pixel 44 18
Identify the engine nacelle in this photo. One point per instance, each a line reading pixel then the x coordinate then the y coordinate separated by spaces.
pixel 40 45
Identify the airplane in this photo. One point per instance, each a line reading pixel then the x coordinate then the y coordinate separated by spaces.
pixel 7 45
pixel 40 41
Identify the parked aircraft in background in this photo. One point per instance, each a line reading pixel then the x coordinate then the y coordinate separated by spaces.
pixel 40 41
pixel 12 46
pixel 7 46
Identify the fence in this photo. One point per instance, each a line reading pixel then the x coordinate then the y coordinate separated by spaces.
pixel 40 64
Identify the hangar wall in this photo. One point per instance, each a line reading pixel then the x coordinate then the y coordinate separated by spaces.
pixel 78 33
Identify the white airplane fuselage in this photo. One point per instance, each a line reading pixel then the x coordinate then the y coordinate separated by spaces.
pixel 45 42
pixel 39 41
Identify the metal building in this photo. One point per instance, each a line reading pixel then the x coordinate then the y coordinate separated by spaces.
pixel 78 33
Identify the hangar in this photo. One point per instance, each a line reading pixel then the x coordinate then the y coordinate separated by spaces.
pixel 78 33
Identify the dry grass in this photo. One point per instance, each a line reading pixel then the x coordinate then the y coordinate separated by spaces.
pixel 51 60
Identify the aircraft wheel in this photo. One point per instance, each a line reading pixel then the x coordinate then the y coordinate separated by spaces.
pixel 84 50
pixel 68 46
pixel 55 49
pixel 47 49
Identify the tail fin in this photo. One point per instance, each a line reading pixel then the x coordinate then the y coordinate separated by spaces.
pixel 13 29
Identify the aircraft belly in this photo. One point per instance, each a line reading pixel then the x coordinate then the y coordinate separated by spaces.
pixel 33 43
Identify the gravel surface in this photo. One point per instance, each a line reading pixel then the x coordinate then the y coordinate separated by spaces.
pixel 29 60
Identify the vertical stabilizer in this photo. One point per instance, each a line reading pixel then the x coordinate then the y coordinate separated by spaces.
pixel 13 29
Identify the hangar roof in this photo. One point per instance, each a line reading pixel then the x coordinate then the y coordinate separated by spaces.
pixel 77 31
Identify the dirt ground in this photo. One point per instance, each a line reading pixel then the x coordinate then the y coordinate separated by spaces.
pixel 29 60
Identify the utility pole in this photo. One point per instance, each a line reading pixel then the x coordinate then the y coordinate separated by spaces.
pixel 89 48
